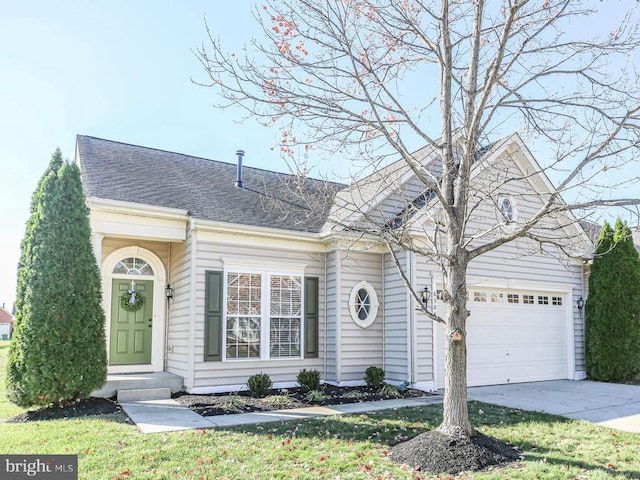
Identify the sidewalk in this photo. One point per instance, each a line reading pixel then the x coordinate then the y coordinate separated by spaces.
pixel 156 416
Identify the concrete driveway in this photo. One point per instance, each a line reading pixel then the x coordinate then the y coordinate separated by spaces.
pixel 609 404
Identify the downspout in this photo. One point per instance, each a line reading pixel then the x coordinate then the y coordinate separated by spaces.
pixel 326 320
pixel 338 337
pixel 384 315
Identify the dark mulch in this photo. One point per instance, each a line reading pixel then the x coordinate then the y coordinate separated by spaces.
pixel 242 402
pixel 82 408
pixel 433 452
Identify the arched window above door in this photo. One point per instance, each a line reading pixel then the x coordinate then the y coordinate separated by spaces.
pixel 133 266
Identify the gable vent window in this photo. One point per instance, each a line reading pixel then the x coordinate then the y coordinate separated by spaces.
pixel 363 304
pixel 507 209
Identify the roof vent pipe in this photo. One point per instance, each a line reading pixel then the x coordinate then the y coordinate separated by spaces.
pixel 240 154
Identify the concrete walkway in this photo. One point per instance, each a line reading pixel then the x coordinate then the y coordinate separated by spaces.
pixel 155 416
pixel 612 405
pixel 609 404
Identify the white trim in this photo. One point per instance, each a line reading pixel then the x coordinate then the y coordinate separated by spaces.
pixel 338 309
pixel 245 265
pixel 190 379
pixel 411 337
pixel 265 314
pixel 579 375
pixel 373 297
pixel 514 284
pixel 136 209
pixel 571 356
pixel 159 279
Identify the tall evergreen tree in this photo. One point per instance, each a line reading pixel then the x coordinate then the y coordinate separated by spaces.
pixel 58 351
pixel 612 313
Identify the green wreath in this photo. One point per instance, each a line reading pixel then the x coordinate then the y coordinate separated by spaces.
pixel 125 301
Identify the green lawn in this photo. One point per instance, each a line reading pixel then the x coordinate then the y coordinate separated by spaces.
pixel 335 447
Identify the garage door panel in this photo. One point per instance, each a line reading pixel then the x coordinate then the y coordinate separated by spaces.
pixel 511 342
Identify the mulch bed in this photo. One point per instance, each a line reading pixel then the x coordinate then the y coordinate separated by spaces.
pixel 82 408
pixel 242 402
pixel 433 452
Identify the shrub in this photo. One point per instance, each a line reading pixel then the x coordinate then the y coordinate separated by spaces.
pixel 314 396
pixel 58 352
pixel 374 376
pixel 612 310
pixel 389 391
pixel 259 384
pixel 309 380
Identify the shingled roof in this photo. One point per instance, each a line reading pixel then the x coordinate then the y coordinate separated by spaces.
pixel 205 188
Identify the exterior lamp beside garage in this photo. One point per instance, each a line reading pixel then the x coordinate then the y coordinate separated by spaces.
pixel 580 304
pixel 168 292
pixel 426 295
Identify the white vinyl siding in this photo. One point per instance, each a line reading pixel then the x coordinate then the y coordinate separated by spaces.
pixel 396 323
pixel 359 347
pixel 179 325
pixel 331 371
pixel 210 375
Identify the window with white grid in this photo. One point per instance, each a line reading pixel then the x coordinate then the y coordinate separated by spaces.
pixel 285 319
pixel 244 311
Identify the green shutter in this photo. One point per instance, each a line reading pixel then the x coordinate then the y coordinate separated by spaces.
pixel 213 316
pixel 311 317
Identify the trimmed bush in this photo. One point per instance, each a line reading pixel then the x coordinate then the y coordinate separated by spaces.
pixel 374 376
pixel 309 380
pixel 58 352
pixel 259 384
pixel 612 310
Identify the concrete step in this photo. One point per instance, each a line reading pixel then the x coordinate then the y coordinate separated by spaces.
pixel 138 381
pixel 138 394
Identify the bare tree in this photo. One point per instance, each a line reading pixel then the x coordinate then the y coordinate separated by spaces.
pixel 410 80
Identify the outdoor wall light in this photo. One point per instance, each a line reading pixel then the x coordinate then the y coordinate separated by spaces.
pixel 168 291
pixel 580 303
pixel 426 295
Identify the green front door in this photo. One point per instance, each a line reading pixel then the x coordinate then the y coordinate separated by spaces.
pixel 130 342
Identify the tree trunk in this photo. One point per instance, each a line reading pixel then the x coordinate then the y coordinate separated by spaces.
pixel 455 421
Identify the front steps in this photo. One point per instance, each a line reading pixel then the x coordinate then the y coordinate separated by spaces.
pixel 152 384
pixel 143 394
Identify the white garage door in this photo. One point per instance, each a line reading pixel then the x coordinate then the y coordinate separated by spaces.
pixel 512 336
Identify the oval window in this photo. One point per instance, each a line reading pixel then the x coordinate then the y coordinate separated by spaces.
pixel 507 209
pixel 363 304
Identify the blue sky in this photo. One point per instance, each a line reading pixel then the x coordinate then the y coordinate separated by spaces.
pixel 118 70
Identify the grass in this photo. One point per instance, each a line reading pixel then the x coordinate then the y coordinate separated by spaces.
pixel 346 447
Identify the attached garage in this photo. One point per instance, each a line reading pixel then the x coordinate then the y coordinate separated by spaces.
pixel 512 336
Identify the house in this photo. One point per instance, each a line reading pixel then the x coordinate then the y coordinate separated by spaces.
pixel 234 274
pixel 6 323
